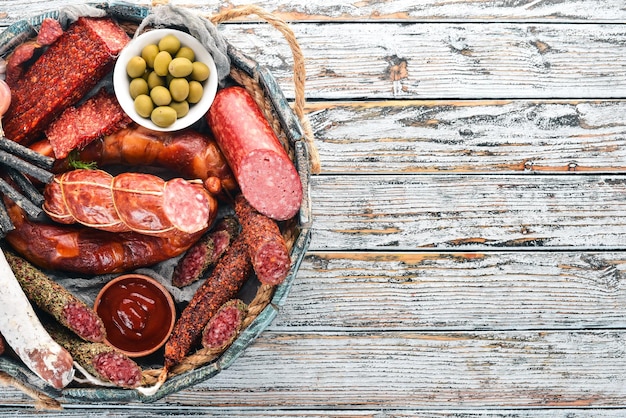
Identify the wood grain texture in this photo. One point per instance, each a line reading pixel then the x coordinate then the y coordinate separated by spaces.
pixel 475 136
pixel 423 370
pixel 382 10
pixel 400 212
pixel 446 60
pixel 457 291
pixel 468 247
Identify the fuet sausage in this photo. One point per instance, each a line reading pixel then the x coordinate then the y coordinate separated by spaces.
pixel 266 176
pixel 137 202
pixel 23 331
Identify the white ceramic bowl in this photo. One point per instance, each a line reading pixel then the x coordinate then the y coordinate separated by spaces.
pixel 121 81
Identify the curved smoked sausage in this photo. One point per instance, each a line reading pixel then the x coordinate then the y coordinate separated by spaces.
pixel 89 251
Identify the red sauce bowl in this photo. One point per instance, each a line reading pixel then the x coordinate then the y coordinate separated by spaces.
pixel 138 314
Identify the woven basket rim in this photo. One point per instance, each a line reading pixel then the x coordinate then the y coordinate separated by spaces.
pixel 244 71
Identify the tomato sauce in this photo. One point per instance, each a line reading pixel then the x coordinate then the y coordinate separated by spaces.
pixel 136 313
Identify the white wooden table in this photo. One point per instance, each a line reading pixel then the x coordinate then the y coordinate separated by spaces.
pixel 468 249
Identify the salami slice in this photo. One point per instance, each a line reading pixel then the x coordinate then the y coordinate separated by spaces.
pixel 64 73
pixel 76 127
pixel 49 31
pixel 267 177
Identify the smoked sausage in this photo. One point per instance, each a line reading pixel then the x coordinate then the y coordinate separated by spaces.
pixel 266 176
pixel 86 250
pixel 191 154
pixel 138 202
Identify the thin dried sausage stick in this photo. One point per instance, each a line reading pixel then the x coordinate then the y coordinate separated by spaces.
pixel 25 334
pixel 54 299
pixel 99 359
pixel 231 271
pixel 266 246
pixel 266 175
pixel 205 253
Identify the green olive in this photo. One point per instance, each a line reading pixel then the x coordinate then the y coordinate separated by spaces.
pixel 135 67
pixel 155 80
pixel 179 89
pixel 144 105
pixel 180 67
pixel 200 71
pixel 149 53
pixel 169 43
pixel 181 108
pixel 160 96
pixel 195 91
pixel 161 63
pixel 138 86
pixel 186 52
pixel 163 116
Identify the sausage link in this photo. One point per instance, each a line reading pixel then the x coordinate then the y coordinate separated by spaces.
pixel 266 246
pixel 89 251
pixel 266 175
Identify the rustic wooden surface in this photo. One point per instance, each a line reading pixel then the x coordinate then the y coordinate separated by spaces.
pixel 468 249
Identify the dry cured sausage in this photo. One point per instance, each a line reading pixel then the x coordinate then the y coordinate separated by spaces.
pixel 267 177
pixel 62 75
pixel 77 126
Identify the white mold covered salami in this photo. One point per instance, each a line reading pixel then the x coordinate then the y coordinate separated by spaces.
pixel 23 331
pixel 267 177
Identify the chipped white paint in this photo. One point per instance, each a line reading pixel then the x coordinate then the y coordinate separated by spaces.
pixel 467 255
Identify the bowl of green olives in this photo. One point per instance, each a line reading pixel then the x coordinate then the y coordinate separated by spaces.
pixel 165 79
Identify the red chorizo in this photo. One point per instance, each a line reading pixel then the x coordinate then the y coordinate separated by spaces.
pixel 77 126
pixel 266 176
pixel 64 73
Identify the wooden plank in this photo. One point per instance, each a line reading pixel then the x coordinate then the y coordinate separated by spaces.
pixel 451 291
pixel 395 10
pixel 470 136
pixel 446 60
pixel 422 370
pixel 268 412
pixel 402 212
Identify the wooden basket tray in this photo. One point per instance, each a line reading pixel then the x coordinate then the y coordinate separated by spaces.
pixel 265 301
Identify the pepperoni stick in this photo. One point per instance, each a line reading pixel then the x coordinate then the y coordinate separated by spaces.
pixel 224 327
pixel 98 359
pixel 266 175
pixel 229 274
pixel 53 298
pixel 205 252
pixel 266 246
pixel 25 334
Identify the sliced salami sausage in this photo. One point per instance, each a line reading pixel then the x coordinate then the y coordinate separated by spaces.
pixel 267 177
pixel 49 31
pixel 266 246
